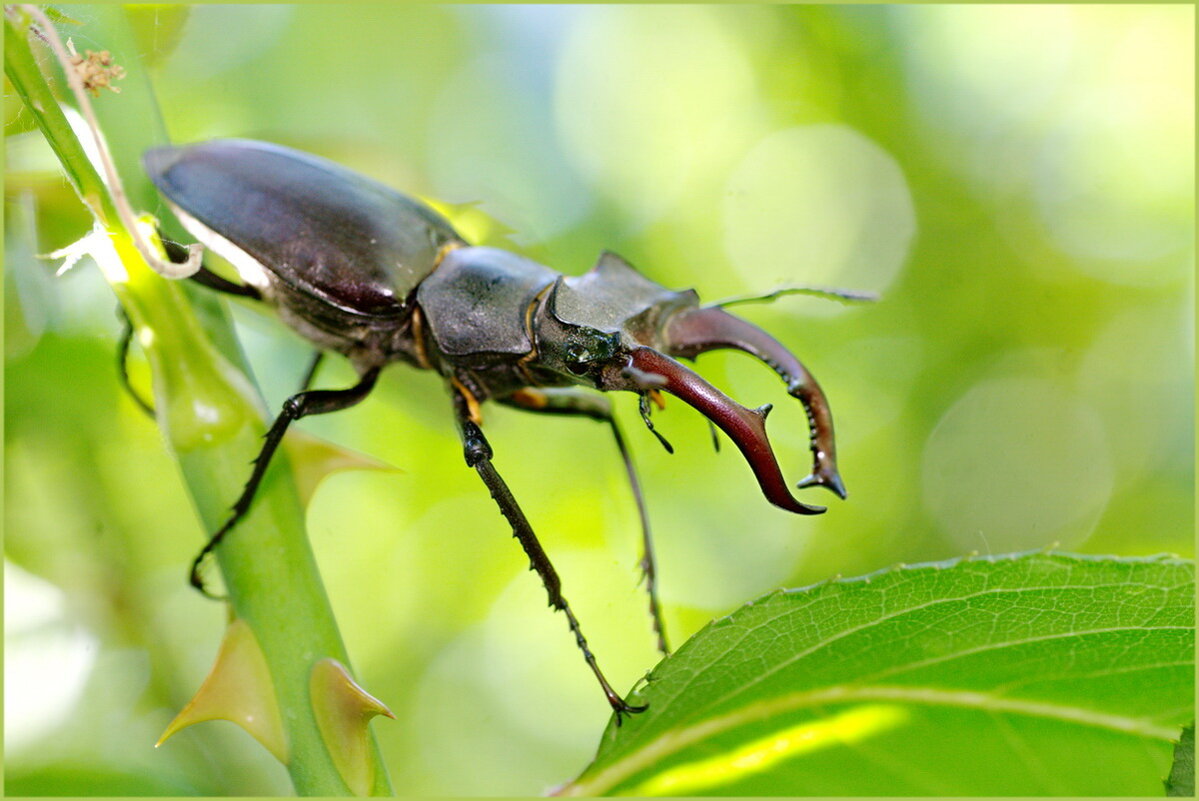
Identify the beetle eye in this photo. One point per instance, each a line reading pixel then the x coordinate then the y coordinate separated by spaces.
pixel 577 357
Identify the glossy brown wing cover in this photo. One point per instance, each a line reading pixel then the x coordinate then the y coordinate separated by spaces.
pixel 318 227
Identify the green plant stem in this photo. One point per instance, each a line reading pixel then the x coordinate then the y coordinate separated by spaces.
pixel 208 408
pixel 26 77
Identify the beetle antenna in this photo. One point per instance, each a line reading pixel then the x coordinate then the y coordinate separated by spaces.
pixel 828 293
pixel 643 407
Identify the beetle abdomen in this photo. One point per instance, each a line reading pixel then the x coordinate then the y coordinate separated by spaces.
pixel 477 301
pixel 321 229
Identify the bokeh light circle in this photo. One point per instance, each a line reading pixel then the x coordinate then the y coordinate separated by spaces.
pixel 650 98
pixel 1121 207
pixel 818 204
pixel 515 169
pixel 1017 463
pixel 1133 375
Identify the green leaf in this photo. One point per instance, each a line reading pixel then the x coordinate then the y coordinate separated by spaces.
pixel 1014 675
pixel 1182 773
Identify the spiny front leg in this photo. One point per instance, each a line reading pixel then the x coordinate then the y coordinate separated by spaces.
pixel 478 455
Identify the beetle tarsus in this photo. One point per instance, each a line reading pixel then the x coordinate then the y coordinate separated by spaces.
pixel 177 254
pixel 627 709
pixel 197 577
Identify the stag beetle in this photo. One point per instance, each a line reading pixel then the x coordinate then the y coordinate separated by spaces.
pixel 358 268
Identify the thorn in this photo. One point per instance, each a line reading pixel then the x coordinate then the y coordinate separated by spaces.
pixel 313 459
pixel 342 710
pixel 238 689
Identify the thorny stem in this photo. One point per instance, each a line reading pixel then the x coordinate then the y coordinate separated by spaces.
pixel 163 267
pixel 269 570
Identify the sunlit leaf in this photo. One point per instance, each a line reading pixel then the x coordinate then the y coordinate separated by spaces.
pixel 1029 674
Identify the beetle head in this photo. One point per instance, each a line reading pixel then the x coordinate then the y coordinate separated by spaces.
pixel 578 353
pixel 613 329
pixel 589 325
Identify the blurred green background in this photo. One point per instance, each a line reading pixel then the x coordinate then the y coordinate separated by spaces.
pixel 1017 183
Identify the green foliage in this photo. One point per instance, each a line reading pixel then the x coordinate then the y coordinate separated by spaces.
pixel 999 175
pixel 1026 675
pixel 207 408
pixel 1182 773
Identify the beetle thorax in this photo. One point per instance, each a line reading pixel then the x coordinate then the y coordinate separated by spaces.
pixel 504 322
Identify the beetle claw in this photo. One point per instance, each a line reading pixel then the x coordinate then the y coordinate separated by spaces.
pixel 832 481
pixel 627 709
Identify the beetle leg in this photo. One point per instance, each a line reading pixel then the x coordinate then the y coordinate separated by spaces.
pixel 598 407
pixel 692 332
pixel 320 401
pixel 215 282
pixel 313 366
pixel 478 455
pixel 178 254
pixel 123 361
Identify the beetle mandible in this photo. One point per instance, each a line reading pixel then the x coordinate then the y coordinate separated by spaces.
pixel 360 269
